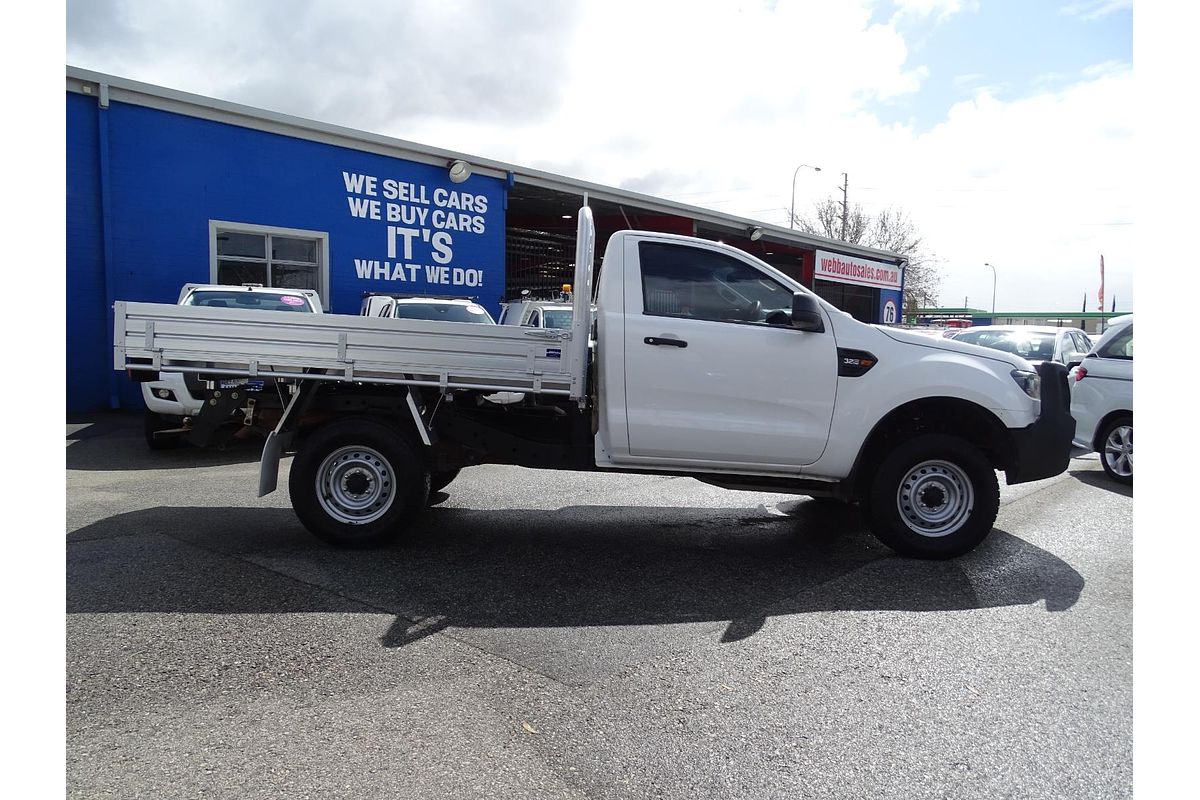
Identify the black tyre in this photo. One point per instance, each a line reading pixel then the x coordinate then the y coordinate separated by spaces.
pixel 153 423
pixel 934 496
pixel 440 480
pixel 358 483
pixel 1116 450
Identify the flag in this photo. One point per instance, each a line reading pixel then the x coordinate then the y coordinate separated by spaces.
pixel 1114 308
pixel 1101 295
pixel 1084 309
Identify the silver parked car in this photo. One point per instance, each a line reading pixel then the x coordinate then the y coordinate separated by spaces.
pixel 1034 343
pixel 1102 400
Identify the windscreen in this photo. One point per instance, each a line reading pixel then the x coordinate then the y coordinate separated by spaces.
pixel 443 312
pixel 263 301
pixel 557 318
pixel 1030 345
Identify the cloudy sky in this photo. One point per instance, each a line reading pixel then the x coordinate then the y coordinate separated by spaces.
pixel 1003 127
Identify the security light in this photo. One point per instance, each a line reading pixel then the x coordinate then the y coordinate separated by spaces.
pixel 459 170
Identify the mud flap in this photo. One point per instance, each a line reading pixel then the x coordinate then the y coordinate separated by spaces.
pixel 268 468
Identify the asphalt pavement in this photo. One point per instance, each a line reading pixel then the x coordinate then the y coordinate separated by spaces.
pixel 554 634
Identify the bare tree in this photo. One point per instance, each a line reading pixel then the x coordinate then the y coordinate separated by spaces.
pixel 891 229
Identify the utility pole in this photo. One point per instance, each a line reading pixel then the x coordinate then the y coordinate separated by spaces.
pixel 845 205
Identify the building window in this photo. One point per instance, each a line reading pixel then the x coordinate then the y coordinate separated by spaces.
pixel 279 257
pixel 860 302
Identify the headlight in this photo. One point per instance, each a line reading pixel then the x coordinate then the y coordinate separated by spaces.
pixel 1029 382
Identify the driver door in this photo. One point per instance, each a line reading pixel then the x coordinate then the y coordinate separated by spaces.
pixel 708 381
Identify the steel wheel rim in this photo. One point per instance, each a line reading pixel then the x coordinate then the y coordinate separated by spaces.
pixel 935 498
pixel 355 485
pixel 1118 450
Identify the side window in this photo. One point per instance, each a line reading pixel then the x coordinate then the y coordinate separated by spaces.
pixel 693 283
pixel 1120 347
pixel 275 257
pixel 1082 344
pixel 535 319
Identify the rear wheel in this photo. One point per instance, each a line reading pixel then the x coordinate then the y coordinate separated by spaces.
pixel 358 483
pixel 934 496
pixel 153 423
pixel 1116 450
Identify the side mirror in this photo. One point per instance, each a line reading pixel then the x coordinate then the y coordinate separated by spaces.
pixel 806 313
pixel 1073 364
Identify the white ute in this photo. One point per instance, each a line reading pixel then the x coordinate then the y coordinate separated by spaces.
pixel 174 400
pixel 706 362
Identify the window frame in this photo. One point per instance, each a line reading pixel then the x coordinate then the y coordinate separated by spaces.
pixel 217 227
pixel 762 275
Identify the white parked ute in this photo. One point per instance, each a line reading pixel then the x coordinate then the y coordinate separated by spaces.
pixel 535 312
pixel 176 398
pixel 706 362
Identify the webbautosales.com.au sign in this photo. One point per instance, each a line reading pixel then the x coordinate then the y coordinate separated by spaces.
pixel 861 271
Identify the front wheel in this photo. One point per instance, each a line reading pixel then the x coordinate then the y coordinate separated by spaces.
pixel 358 483
pixel 934 496
pixel 1116 453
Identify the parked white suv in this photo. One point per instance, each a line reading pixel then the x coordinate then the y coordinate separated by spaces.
pixel 437 309
pixel 1102 399
pixel 175 397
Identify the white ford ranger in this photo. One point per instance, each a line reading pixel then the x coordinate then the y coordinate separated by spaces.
pixel 705 362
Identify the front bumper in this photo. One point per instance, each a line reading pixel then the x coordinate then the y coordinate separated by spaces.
pixel 1043 449
pixel 183 404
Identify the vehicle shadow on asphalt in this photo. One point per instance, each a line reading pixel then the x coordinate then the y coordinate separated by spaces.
pixel 114 442
pixel 1100 480
pixel 577 566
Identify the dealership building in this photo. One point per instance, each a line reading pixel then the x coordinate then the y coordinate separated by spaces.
pixel 166 188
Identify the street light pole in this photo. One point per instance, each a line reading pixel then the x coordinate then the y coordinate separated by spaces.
pixel 993 287
pixel 792 213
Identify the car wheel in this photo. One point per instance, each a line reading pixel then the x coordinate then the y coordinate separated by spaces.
pixel 934 496
pixel 153 423
pixel 358 483
pixel 1116 450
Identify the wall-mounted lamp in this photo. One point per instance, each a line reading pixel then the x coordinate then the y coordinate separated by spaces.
pixel 756 233
pixel 459 170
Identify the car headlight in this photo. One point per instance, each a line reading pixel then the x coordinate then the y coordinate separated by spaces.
pixel 1030 382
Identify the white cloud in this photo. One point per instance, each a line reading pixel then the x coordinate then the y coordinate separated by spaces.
pixel 939 9
pixel 1095 9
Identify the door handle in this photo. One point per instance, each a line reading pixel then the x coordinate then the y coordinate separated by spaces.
pixel 659 340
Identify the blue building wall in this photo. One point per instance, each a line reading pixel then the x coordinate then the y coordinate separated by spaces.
pixel 88 336
pixel 168 175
